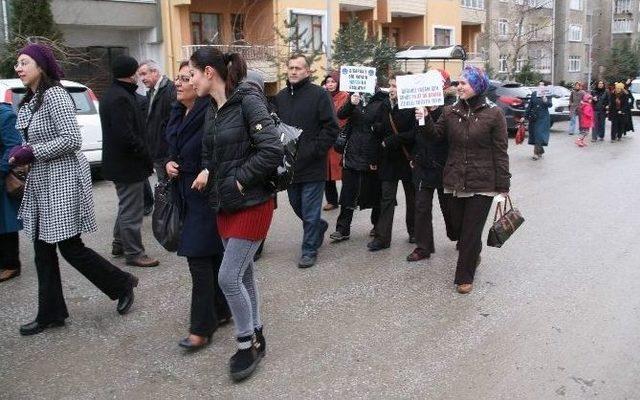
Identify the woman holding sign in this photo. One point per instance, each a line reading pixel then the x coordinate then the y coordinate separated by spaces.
pixel 477 167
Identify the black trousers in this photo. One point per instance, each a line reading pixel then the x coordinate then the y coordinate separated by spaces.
pixel 111 280
pixel 424 217
pixel 468 216
pixel 331 192
pixel 343 223
pixel 208 303
pixel 388 203
pixel 10 251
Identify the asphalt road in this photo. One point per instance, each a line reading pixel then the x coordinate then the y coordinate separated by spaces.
pixel 554 314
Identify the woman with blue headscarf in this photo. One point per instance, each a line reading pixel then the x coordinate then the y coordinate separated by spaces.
pixel 477 167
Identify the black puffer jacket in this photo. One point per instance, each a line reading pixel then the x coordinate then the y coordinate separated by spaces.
pixel 394 163
pixel 429 158
pixel 310 108
pixel 362 144
pixel 241 144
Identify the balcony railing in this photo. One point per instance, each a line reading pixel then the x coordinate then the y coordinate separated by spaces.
pixel 249 52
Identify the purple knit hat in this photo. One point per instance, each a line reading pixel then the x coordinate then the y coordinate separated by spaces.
pixel 43 56
pixel 477 78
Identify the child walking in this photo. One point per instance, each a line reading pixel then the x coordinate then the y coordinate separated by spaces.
pixel 585 112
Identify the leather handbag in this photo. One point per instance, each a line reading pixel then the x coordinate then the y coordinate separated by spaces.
pixel 505 223
pixel 166 221
pixel 15 180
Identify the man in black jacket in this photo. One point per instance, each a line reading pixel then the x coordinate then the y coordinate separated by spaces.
pixel 125 160
pixel 308 107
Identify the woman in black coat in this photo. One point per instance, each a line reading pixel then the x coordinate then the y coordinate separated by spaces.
pixel 199 240
pixel 600 100
pixel 360 185
pixel 619 111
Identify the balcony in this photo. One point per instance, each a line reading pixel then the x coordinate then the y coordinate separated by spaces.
pixel 357 5
pixel 407 8
pixel 258 57
pixel 472 12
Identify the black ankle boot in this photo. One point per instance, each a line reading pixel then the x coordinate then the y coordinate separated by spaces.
pixel 244 362
pixel 260 343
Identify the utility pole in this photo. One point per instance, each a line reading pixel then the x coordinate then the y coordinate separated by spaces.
pixel 590 44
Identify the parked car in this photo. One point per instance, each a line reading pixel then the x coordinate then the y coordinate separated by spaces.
pixel 512 98
pixel 12 91
pixel 559 110
pixel 635 92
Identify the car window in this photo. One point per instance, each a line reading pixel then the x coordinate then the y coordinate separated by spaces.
pixel 561 91
pixel 80 96
pixel 513 91
pixel 635 87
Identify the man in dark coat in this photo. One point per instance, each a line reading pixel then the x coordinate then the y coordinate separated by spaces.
pixel 308 107
pixel 394 125
pixel 126 160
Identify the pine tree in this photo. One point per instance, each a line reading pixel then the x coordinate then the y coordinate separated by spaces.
pixel 527 76
pixel 294 43
pixel 29 19
pixel 351 46
pixel 623 62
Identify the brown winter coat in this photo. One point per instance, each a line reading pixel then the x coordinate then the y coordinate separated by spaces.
pixel 477 135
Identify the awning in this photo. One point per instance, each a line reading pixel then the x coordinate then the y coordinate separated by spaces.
pixel 432 53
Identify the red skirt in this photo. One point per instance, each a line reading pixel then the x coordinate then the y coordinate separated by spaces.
pixel 251 223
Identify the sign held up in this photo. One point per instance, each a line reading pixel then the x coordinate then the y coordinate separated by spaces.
pixel 357 79
pixel 420 90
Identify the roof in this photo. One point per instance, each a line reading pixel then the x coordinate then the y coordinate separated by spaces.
pixel 432 53
pixel 17 83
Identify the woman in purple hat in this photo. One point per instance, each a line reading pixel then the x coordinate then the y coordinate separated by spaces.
pixel 58 201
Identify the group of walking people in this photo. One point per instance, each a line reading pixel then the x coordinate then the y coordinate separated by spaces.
pixel 219 146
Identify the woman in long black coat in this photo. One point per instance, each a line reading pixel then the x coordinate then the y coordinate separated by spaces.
pixel 619 111
pixel 199 240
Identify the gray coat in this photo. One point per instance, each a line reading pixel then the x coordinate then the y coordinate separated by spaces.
pixel 58 197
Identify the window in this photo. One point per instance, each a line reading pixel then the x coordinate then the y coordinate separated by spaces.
pixel 309 30
pixel 622 6
pixel 502 63
pixel 575 4
pixel 520 63
pixel 622 25
pixel 575 33
pixel 237 26
pixel 442 36
pixel 477 4
pixel 541 3
pixel 205 28
pixel 575 64
pixel 503 28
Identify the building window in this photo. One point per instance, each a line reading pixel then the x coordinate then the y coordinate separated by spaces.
pixel 622 6
pixel 443 36
pixel 622 26
pixel 520 63
pixel 476 4
pixel 575 4
pixel 575 33
pixel 237 26
pixel 503 27
pixel 541 3
pixel 309 30
pixel 575 64
pixel 502 63
pixel 205 28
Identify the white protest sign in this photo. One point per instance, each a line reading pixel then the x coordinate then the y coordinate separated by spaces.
pixel 420 90
pixel 357 79
pixel 543 91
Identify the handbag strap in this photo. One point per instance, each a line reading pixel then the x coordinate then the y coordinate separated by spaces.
pixel 395 131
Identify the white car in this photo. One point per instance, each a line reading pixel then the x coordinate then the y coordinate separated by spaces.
pixel 559 110
pixel 12 91
pixel 635 92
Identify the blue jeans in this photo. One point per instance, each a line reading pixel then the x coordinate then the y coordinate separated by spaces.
pixel 306 201
pixel 574 124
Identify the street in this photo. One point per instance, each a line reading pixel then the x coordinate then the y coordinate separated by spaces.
pixel 555 313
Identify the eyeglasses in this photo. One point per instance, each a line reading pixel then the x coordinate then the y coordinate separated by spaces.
pixel 183 78
pixel 22 63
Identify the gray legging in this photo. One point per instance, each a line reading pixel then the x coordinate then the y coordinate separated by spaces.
pixel 238 284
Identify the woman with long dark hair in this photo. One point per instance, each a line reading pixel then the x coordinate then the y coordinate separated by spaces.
pixel 58 200
pixel 600 99
pixel 241 150
pixel 199 239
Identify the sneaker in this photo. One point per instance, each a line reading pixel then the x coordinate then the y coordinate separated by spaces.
pixel 376 245
pixel 418 254
pixel 337 236
pixel 307 262
pixel 244 362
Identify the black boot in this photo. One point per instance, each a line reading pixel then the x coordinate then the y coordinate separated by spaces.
pixel 244 362
pixel 260 343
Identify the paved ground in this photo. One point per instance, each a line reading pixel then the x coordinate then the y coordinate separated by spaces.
pixel 554 314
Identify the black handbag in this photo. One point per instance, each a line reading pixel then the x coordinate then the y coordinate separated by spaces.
pixel 505 225
pixel 165 221
pixel 288 136
pixel 341 141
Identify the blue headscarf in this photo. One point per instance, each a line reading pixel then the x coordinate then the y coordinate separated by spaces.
pixel 477 78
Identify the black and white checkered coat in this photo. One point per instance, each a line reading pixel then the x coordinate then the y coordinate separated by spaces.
pixel 58 197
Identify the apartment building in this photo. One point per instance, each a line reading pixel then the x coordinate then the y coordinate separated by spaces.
pixel 572 37
pixel 625 20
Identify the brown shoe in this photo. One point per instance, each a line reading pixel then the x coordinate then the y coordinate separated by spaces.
pixel 6 274
pixel 144 262
pixel 417 255
pixel 329 207
pixel 465 288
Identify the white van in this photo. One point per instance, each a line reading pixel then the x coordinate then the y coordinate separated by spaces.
pixel 12 91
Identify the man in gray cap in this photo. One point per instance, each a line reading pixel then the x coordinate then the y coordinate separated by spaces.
pixel 126 160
